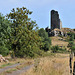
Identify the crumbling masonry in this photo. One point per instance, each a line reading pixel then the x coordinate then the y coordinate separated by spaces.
pixel 56 26
pixel 55 21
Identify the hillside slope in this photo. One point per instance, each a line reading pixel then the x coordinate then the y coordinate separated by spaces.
pixel 56 41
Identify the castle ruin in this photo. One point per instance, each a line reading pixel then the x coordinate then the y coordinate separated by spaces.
pixel 56 25
pixel 55 20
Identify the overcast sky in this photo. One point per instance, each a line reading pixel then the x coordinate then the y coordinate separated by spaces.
pixel 41 10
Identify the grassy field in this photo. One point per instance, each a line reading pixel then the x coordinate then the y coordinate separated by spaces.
pixel 55 65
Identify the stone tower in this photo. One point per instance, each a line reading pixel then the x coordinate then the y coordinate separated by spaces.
pixel 55 21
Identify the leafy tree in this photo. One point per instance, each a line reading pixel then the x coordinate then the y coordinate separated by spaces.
pixel 5 31
pixel 23 36
pixel 46 41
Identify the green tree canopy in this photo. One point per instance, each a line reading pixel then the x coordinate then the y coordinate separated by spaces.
pixel 5 31
pixel 23 36
pixel 46 41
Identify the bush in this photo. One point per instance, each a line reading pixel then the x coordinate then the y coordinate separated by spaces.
pixel 57 49
pixel 73 48
pixel 71 35
pixel 46 46
pixel 46 41
pixel 4 51
pixel 70 43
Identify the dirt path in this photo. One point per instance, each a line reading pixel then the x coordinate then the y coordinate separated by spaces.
pixel 9 67
pixel 18 72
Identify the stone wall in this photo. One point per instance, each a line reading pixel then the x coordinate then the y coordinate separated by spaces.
pixel 55 21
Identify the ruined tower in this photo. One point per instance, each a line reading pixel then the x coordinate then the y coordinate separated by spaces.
pixel 55 21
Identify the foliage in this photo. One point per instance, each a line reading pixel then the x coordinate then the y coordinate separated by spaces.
pixel 57 49
pixel 4 30
pixel 70 43
pixel 20 34
pixel 24 35
pixel 46 46
pixel 4 51
pixel 45 40
pixel 71 35
pixel 71 46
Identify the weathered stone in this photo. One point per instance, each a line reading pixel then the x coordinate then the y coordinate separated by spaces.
pixel 55 21
pixel 56 26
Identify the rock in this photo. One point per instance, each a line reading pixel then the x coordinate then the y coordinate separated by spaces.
pixel 6 61
pixel 2 59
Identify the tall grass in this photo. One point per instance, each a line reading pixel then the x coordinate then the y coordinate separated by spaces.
pixel 50 66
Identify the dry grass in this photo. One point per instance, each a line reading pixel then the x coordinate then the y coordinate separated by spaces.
pixel 56 41
pixel 51 66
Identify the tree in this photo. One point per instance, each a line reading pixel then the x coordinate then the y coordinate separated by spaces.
pixel 23 36
pixel 46 41
pixel 5 31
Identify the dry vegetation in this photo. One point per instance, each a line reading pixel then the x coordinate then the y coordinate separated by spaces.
pixel 57 65
pixel 56 41
pixel 14 61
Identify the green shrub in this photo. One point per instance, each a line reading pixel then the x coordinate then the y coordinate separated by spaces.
pixel 46 41
pixel 71 35
pixel 73 48
pixel 4 51
pixel 70 44
pixel 57 49
pixel 46 46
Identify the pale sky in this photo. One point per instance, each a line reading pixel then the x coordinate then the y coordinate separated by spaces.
pixel 41 10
